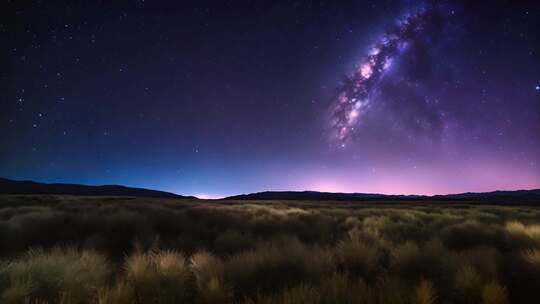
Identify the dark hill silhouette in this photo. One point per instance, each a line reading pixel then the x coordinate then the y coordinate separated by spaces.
pixel 510 197
pixel 529 197
pixel 8 186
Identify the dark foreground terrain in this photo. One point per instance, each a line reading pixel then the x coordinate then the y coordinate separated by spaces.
pixel 69 249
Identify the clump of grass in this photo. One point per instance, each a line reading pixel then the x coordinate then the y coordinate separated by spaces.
pixel 520 235
pixel 121 293
pixel 431 261
pixel 17 292
pixel 336 288
pixel 65 274
pixel 532 231
pixel 209 280
pixel 469 284
pixel 468 234
pixel 494 293
pixel 357 258
pixel 269 267
pixel 392 290
pixel 232 241
pixel 424 293
pixel 484 259
pixel 374 226
pixel 532 256
pixel 321 262
pixel 406 258
pixel 159 276
pixel 340 288
pixel 142 276
pixel 302 294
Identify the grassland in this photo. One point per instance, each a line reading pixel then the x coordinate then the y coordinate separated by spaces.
pixel 64 249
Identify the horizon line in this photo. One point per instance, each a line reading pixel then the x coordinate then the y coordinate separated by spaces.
pixel 207 196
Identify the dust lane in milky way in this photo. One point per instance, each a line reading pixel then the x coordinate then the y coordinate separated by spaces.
pixel 355 96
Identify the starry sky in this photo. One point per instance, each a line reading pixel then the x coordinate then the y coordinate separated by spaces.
pixel 215 98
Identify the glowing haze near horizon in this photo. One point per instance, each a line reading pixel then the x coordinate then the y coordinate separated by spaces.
pixel 213 99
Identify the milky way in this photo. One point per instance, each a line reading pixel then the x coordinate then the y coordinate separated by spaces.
pixel 355 96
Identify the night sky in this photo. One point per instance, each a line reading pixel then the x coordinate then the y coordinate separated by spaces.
pixel 214 98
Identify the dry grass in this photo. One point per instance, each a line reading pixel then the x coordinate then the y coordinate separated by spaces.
pixel 424 293
pixel 469 284
pixel 159 276
pixel 209 278
pixel 55 275
pixel 533 257
pixel 302 294
pixel 494 293
pixel 292 252
pixel 358 258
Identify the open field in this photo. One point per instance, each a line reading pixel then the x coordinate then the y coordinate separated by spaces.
pixel 67 249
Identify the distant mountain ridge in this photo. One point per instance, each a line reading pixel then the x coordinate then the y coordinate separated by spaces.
pixel 523 195
pixel 8 186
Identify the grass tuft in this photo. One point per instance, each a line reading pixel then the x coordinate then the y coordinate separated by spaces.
pixel 493 293
pixel 424 293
